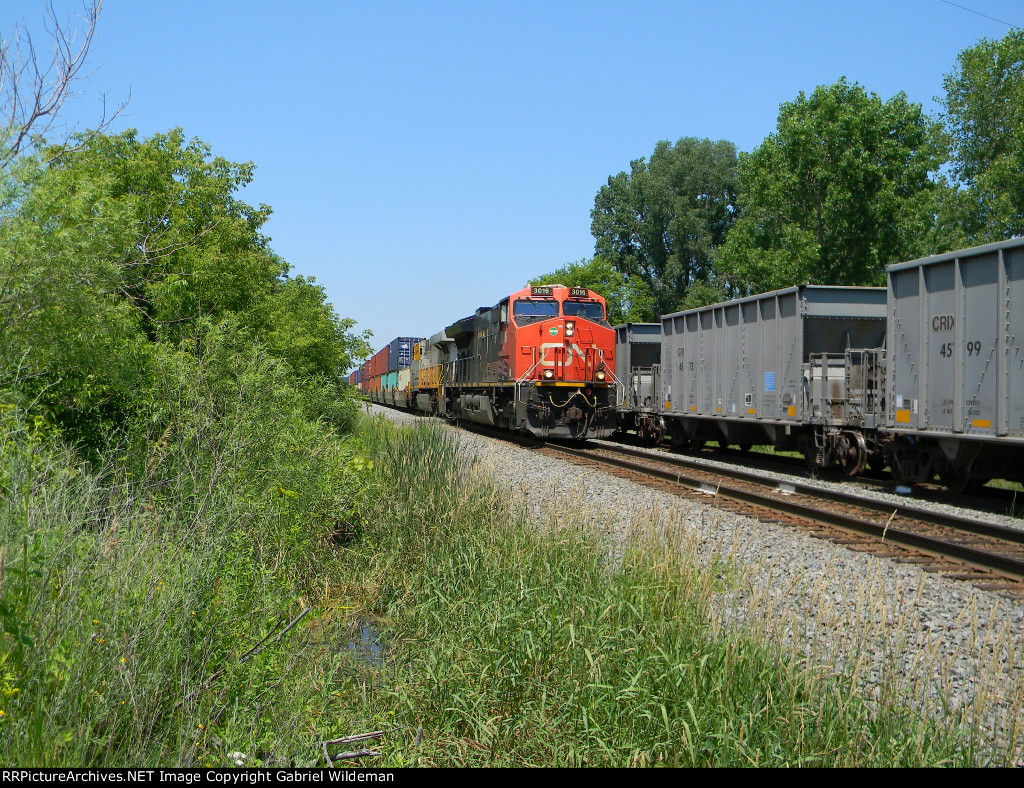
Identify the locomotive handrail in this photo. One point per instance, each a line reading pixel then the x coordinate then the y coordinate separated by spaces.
pixel 522 379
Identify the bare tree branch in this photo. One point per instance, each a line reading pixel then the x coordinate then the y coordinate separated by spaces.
pixel 34 88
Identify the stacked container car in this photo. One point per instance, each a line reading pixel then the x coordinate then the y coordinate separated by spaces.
pixel 400 373
pixel 389 372
pixel 377 368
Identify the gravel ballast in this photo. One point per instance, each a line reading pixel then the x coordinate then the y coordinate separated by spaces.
pixel 944 645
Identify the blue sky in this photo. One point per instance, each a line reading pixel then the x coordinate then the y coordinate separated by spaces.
pixel 427 158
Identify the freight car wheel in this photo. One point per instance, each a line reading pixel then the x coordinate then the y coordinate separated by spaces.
pixel 805 445
pixel 876 462
pixel 853 452
pixel 745 447
pixel 955 481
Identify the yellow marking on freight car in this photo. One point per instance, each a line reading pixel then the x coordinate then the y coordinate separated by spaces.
pixel 693 407
pixel 668 405
pixel 752 411
pixel 792 410
pixel 981 423
pixel 903 417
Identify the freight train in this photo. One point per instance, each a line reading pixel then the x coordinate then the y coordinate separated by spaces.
pixel 541 361
pixel 925 375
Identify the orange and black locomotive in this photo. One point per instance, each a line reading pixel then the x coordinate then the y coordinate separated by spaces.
pixel 540 361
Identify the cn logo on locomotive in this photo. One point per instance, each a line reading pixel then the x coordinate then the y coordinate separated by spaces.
pixel 570 348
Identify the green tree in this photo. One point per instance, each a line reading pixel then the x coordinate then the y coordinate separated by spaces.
pixel 845 186
pixel 984 114
pixel 189 246
pixel 662 221
pixel 122 252
pixel 305 331
pixel 629 299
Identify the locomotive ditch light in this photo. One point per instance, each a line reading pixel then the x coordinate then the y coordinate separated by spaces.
pixel 570 328
pixel 548 374
pixel 599 376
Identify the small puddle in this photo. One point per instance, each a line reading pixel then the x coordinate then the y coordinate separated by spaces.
pixel 365 644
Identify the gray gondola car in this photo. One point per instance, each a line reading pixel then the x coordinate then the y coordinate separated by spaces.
pixel 785 368
pixel 638 379
pixel 955 385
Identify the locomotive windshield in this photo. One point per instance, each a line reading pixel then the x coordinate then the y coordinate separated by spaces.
pixel 528 310
pixel 591 310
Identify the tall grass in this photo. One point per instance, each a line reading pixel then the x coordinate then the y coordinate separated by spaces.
pixel 145 602
pixel 515 644
pixel 132 594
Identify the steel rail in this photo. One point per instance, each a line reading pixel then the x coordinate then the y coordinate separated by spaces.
pixel 1008 565
pixel 957 522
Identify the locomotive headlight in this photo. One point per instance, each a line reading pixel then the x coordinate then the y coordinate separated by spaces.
pixel 600 376
pixel 548 374
pixel 570 328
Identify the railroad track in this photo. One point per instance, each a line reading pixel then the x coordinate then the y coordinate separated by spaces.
pixel 985 499
pixel 990 556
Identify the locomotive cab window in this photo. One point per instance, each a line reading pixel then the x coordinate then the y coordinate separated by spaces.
pixel 529 310
pixel 589 310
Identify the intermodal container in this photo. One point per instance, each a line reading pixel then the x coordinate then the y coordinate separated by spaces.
pixel 400 356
